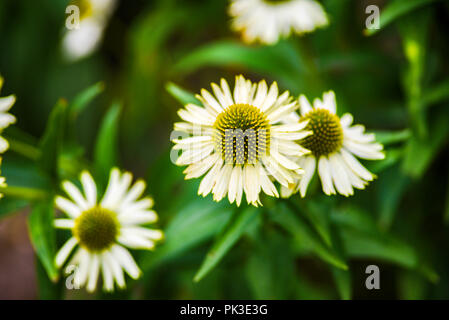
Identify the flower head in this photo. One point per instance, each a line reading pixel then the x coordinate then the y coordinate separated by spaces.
pixel 334 144
pixel 268 20
pixel 6 119
pixel 84 39
pixel 239 141
pixel 103 229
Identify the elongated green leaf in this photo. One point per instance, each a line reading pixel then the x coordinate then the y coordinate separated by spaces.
pixel 231 233
pixel 281 61
pixel 342 279
pixel 436 94
pixel 392 157
pixel 48 290
pixel 196 223
pixel 82 100
pixel 51 142
pixel 392 137
pixel 305 237
pixel 318 214
pixel 414 30
pixel 396 9
pixel 392 186
pixel 106 148
pixel 271 267
pixel 180 94
pixel 361 245
pixel 42 235
pixel 421 152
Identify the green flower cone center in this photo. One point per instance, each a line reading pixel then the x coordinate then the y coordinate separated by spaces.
pixel 327 136
pixel 242 134
pixel 96 229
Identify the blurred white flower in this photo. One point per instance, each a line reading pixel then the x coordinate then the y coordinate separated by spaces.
pixel 333 144
pixel 6 119
pixel 239 141
pixel 268 20
pixel 81 41
pixel 103 229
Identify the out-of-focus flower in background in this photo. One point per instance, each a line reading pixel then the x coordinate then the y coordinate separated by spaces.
pixel 268 20
pixel 103 230
pixel 83 40
pixel 6 119
pixel 235 165
pixel 333 144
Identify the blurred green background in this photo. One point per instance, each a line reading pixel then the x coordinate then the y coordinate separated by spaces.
pixel 119 106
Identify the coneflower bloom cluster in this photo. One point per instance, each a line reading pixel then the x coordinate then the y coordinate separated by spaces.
pixel 244 141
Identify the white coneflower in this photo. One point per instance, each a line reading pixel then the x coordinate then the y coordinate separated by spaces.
pixel 333 144
pixel 268 20
pixel 83 40
pixel 6 119
pixel 239 141
pixel 103 229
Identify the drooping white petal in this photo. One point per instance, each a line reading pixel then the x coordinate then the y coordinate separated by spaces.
pixel 94 271
pixel 324 172
pixel 339 176
pixel 65 251
pixel 309 171
pixel 126 261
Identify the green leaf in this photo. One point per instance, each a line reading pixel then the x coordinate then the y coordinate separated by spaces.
pixel 436 94
pixel 342 279
pixel 271 268
pixel 391 188
pixel 421 152
pixel 48 290
pixel 304 235
pixel 414 31
pixel 396 9
pixel 51 142
pixel 231 233
pixel 317 213
pixel 392 157
pixel 180 94
pixel 392 137
pixel 376 246
pixel 82 100
pixel 281 61
pixel 197 222
pixel 106 148
pixel 42 235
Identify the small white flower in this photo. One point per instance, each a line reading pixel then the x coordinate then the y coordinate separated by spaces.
pixel 268 20
pixel 239 141
pixel 333 144
pixel 82 41
pixel 6 119
pixel 103 229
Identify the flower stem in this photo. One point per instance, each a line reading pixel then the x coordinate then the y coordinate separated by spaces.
pixel 24 149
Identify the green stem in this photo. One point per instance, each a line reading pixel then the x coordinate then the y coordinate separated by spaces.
pixel 24 149
pixel 24 193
